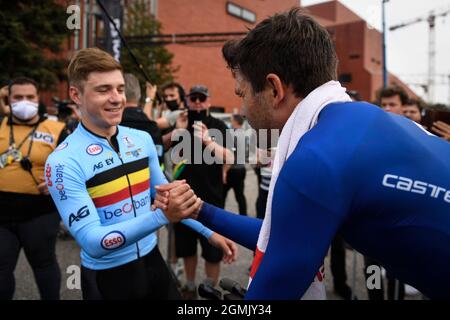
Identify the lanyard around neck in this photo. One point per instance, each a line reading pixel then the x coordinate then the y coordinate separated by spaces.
pixel 12 142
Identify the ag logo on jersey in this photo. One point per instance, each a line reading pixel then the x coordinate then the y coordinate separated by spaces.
pixel 113 240
pixel 83 212
pixel 94 149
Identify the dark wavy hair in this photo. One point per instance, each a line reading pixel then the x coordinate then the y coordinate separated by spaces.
pixel 292 45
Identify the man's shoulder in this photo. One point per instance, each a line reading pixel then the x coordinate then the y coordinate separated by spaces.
pixel 341 124
pixel 137 119
pixel 133 132
pixel 214 123
pixel 64 149
pixel 52 125
pixel 70 146
pixel 140 137
pixel 350 111
pixel 133 114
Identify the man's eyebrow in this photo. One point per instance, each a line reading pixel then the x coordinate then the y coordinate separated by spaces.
pixel 103 86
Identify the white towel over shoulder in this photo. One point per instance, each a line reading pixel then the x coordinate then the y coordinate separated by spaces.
pixel 302 119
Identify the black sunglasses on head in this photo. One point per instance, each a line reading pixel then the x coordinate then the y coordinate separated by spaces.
pixel 201 98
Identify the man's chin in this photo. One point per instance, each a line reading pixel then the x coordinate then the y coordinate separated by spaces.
pixel 113 119
pixel 115 122
pixel 257 125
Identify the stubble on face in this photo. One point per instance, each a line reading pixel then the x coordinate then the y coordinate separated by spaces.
pixel 255 106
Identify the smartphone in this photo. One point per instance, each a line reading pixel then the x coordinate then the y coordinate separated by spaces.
pixel 194 116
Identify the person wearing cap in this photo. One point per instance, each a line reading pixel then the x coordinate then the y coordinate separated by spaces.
pixel 206 181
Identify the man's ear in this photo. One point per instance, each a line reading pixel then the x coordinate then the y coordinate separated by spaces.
pixel 277 90
pixel 74 94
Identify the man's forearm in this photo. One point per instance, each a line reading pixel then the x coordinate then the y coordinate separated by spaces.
pixel 162 123
pixel 148 110
pixel 241 229
pixel 222 154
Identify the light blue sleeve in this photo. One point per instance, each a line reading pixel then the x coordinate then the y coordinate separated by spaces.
pixel 157 177
pixel 79 213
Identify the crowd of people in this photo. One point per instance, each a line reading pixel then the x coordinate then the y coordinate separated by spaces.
pixel 115 166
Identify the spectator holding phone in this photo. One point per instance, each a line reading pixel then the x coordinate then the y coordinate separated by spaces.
pixel 206 181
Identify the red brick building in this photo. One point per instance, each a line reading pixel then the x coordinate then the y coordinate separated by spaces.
pixel 358 46
pixel 203 63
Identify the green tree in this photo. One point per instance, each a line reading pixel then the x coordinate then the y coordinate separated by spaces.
pixel 155 60
pixel 30 39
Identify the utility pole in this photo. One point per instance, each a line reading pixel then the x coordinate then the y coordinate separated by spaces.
pixel 431 20
pixel 449 90
pixel 383 15
pixel 431 55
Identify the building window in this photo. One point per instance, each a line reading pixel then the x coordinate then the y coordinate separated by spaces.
pixel 241 13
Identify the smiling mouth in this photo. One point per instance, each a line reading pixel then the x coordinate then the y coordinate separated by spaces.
pixel 113 110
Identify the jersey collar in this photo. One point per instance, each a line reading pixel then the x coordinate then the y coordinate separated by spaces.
pixel 113 140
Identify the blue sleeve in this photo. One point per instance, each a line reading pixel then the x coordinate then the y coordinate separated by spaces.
pixel 305 217
pixel 79 214
pixel 241 229
pixel 157 177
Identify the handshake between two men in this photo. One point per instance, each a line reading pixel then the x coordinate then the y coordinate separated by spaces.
pixel 178 201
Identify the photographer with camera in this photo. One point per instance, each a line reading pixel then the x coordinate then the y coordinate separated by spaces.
pixel 67 112
pixel 28 218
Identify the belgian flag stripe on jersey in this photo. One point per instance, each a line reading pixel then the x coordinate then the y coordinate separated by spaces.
pixel 119 183
pixel 111 186
pixel 121 195
pixel 117 172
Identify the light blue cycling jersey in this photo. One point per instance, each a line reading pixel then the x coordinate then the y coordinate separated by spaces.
pixel 104 196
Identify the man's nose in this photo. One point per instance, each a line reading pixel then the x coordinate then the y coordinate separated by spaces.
pixel 116 96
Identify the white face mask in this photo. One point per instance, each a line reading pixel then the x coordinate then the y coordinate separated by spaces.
pixel 24 109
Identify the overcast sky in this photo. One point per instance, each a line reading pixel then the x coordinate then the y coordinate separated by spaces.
pixel 407 48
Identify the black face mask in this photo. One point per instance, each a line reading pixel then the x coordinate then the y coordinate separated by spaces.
pixel 172 105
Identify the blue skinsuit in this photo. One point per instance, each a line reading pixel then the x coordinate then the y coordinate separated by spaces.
pixel 378 179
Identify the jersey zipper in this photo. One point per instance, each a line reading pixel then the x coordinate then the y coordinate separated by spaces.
pixel 131 194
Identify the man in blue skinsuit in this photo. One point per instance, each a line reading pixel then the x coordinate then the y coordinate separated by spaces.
pixel 378 179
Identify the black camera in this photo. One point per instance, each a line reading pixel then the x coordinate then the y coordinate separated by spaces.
pixel 62 105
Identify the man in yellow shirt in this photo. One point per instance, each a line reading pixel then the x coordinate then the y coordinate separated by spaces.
pixel 28 218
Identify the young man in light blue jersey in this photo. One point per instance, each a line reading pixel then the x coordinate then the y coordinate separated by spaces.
pixel 102 180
